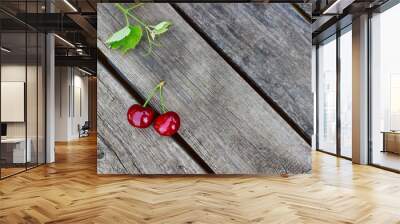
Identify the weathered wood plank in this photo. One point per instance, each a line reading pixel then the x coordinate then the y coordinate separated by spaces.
pixel 135 151
pixel 271 43
pixel 307 7
pixel 107 161
pixel 228 124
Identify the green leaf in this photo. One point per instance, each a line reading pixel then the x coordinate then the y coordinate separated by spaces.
pixel 130 41
pixel 161 27
pixel 133 38
pixel 119 35
pixel 116 45
pixel 153 35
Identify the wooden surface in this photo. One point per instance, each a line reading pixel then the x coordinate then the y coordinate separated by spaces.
pixel 271 43
pixel 8 171
pixel 232 128
pixel 306 7
pixel 132 150
pixel 70 191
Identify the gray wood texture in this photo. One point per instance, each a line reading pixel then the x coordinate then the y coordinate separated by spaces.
pixel 272 45
pixel 123 149
pixel 307 7
pixel 107 161
pixel 222 118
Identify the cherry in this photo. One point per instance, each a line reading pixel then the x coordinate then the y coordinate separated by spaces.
pixel 167 124
pixel 140 117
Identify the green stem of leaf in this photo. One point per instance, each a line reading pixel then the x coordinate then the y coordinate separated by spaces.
pixel 137 20
pixel 126 13
pixel 157 44
pixel 123 10
pixel 151 31
pixel 135 6
pixel 149 42
pixel 126 20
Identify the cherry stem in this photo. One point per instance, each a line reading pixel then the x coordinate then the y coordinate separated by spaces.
pixel 162 100
pixel 151 95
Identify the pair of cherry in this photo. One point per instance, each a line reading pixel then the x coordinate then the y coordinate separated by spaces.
pixel 140 116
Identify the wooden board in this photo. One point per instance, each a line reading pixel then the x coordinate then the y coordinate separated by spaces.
pixel 271 43
pixel 307 7
pixel 223 119
pixel 135 151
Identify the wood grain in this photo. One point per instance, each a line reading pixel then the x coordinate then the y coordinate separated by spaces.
pixel 271 43
pixel 228 125
pixel 70 191
pixel 135 151
pixel 307 7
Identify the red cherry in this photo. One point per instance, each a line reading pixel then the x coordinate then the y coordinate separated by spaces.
pixel 167 124
pixel 140 117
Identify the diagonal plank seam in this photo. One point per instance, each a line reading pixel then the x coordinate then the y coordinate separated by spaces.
pixel 244 75
pixel 116 155
pixel 301 12
pixel 130 88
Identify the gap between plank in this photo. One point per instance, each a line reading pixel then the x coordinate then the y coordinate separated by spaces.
pixel 116 73
pixel 244 75
pixel 301 12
